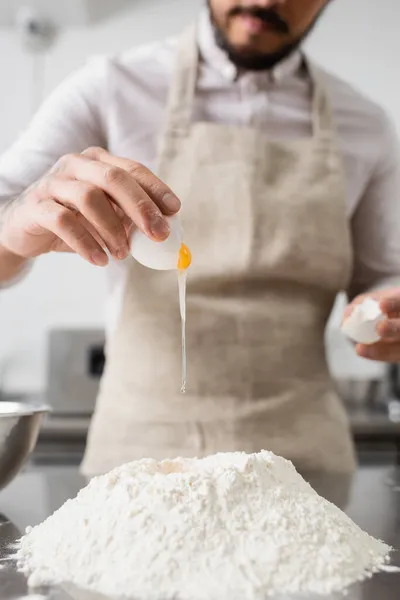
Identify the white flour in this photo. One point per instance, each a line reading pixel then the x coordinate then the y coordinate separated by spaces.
pixel 231 526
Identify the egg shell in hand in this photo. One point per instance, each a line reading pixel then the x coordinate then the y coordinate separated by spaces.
pixel 361 325
pixel 162 256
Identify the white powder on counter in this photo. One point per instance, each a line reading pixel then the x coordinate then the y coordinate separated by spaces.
pixel 230 526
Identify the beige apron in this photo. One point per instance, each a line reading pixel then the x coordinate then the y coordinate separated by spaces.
pixel 271 247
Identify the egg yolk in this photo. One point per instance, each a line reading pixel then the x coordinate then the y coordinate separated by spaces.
pixel 185 258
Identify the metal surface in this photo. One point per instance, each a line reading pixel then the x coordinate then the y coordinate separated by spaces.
pixel 366 424
pixel 73 377
pixel 371 498
pixel 365 393
pixel 19 429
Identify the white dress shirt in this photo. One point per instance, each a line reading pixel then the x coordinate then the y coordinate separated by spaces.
pixel 119 103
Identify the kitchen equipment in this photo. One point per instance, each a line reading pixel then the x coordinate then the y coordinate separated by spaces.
pixel 75 363
pixel 394 402
pixel 375 395
pixel 394 378
pixel 19 429
pixel 372 394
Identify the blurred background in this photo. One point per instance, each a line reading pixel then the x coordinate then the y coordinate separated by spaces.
pixel 51 324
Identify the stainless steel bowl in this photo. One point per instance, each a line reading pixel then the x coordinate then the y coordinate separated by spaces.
pixel 19 430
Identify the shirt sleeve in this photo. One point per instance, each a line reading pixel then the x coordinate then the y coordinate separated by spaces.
pixel 375 224
pixel 70 120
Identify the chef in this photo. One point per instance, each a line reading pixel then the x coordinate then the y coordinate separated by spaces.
pixel 287 181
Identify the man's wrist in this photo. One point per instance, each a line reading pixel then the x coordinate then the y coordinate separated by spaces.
pixel 11 266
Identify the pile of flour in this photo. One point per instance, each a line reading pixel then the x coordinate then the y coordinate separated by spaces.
pixel 230 526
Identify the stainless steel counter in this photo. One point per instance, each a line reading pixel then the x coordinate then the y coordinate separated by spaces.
pixel 371 498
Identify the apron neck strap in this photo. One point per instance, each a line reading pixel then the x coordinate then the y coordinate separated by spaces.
pixel 321 107
pixel 184 83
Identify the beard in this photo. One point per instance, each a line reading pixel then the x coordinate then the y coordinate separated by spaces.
pixel 250 60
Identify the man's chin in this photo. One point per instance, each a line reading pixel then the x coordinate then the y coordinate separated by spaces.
pixel 245 57
pixel 250 52
pixel 252 48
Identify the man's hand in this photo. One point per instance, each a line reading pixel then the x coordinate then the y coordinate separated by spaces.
pixel 388 348
pixel 87 203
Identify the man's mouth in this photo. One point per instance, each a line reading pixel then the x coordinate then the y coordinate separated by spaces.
pixel 254 25
pixel 257 21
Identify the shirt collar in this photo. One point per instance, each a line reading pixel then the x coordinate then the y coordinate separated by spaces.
pixel 212 54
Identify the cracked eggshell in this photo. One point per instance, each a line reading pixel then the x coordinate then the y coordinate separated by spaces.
pixel 162 256
pixel 361 325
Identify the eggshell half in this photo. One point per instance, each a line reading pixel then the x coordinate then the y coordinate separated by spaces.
pixel 162 256
pixel 361 325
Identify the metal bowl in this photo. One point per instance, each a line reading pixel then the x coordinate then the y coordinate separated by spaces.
pixel 19 430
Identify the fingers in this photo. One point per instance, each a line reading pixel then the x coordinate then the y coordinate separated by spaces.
pixel 388 348
pixel 125 192
pixel 389 330
pixel 68 227
pixel 97 209
pixel 350 307
pixel 158 191
pixel 382 351
pixel 93 202
pixel 389 302
pixel 122 188
pixel 391 305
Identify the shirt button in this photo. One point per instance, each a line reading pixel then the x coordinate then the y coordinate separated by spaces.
pixel 252 87
pixel 229 71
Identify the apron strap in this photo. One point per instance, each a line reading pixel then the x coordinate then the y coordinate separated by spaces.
pixel 184 83
pixel 321 105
